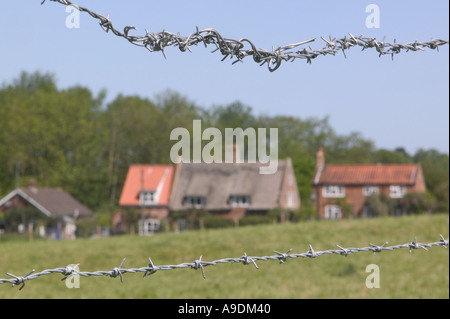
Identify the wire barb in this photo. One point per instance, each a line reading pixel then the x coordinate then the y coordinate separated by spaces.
pixel 343 251
pixel 69 271
pixel 198 264
pixel 311 253
pixel 247 260
pixel 284 256
pixel 151 269
pixel 236 48
pixel 117 271
pixel 19 279
pixel 444 242
pixel 378 249
pixel 415 245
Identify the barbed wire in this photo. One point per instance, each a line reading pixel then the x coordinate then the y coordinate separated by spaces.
pixel 236 48
pixel 150 269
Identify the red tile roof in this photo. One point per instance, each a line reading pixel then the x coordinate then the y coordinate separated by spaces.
pixel 147 177
pixel 367 174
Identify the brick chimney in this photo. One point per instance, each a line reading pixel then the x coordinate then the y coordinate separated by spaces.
pixel 233 152
pixel 32 186
pixel 320 159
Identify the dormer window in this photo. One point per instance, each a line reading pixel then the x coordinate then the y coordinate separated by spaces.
pixel 147 198
pixel 194 201
pixel 239 200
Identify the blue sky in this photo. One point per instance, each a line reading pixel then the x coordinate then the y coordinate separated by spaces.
pixel 404 102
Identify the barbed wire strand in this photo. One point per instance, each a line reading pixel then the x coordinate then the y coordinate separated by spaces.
pixel 150 269
pixel 154 42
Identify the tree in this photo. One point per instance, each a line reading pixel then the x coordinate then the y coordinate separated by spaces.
pixel 138 132
pixel 232 115
pixel 51 133
pixel 128 122
pixel 418 203
pixel 435 166
pixel 390 157
pixel 379 205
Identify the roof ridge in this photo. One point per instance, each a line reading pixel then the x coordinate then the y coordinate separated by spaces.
pixel 353 174
pixel 374 164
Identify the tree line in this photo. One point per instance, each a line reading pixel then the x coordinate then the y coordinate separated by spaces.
pixel 73 139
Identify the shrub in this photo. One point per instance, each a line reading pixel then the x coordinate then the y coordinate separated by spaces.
pixel 255 220
pixel 216 221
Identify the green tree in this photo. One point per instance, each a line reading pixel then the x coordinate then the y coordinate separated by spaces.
pixel 53 134
pixel 435 166
pixel 139 132
pixel 232 115
pixel 379 205
pixel 390 157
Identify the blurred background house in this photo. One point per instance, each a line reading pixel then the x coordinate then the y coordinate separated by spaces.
pixel 344 190
pixel 234 190
pixel 144 199
pixel 47 212
pixel 156 197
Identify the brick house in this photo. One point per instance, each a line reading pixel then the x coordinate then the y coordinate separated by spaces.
pixel 51 212
pixel 146 190
pixel 350 185
pixel 234 190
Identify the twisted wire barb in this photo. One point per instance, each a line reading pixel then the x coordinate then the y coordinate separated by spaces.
pixel 150 269
pixel 236 48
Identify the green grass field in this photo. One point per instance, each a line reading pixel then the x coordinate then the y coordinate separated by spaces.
pixel 421 274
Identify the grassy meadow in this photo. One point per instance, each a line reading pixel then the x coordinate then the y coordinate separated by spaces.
pixel 421 274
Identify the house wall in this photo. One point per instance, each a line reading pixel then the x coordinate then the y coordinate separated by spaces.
pixel 419 186
pixel 16 201
pixel 119 219
pixel 289 196
pixel 159 212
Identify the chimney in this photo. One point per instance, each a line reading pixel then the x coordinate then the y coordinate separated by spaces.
pixel 320 159
pixel 233 152
pixel 32 186
pixel 236 153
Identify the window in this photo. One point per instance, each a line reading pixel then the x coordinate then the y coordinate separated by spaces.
pixel 290 200
pixel 333 212
pixel 239 200
pixel 397 191
pixel 194 201
pixel 147 198
pixel 333 191
pixel 149 226
pixel 370 190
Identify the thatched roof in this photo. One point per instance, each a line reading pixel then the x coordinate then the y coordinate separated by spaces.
pixel 216 182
